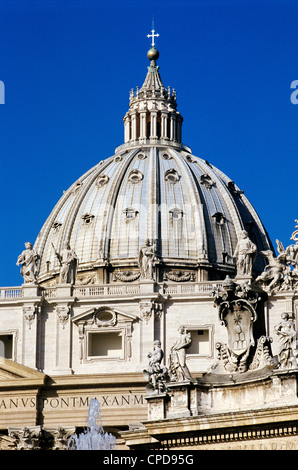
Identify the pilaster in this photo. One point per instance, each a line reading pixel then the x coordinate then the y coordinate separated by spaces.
pixel 31 309
pixel 63 338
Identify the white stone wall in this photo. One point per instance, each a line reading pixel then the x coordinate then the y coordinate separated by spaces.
pixel 50 334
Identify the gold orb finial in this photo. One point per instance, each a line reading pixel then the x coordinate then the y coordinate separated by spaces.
pixel 153 54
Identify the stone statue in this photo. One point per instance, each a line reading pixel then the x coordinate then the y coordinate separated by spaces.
pixel 156 374
pixel 146 259
pixel 245 254
pixel 29 260
pixel 69 261
pixel 178 369
pixel 287 356
pixel 274 271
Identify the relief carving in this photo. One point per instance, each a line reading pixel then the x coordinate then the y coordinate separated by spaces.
pixel 29 313
pixel 236 304
pixel 179 276
pixel 63 314
pixel 149 308
pixel 126 276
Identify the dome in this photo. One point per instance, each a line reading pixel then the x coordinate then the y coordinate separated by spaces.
pixel 153 188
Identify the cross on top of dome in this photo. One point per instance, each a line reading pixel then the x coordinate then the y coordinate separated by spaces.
pixel 153 35
pixel 153 53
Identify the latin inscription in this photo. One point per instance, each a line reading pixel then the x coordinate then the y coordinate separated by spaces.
pixel 46 403
pixel 270 444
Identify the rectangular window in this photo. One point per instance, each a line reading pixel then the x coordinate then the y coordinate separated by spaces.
pixel 200 342
pixel 105 344
pixel 6 343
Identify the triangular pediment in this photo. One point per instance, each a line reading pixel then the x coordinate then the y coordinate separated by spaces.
pixel 12 372
pixel 87 314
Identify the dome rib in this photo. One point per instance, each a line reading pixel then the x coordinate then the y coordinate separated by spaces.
pixel 196 204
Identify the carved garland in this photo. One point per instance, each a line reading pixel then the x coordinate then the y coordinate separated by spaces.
pixel 179 276
pixel 127 276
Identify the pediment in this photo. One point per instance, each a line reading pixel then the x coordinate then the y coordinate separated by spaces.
pixel 107 313
pixel 12 373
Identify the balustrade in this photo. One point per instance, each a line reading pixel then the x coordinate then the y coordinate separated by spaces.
pixel 108 290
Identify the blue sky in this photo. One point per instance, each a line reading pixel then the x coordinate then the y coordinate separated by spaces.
pixel 68 67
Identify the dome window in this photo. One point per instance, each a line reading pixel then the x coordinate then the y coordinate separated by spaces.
pixel 135 177
pixel 102 180
pixel 206 181
pixel 218 218
pixel 77 187
pixel 171 176
pixel 87 219
pixel 141 156
pixel 232 188
pixel 130 213
pixel 56 226
pixel 118 158
pixel 166 156
pixel 176 214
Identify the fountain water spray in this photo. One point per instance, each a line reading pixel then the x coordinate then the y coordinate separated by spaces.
pixel 94 437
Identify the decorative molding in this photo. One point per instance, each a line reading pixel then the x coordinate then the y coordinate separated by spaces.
pixel 63 312
pixel 236 304
pixel 103 317
pixel 258 438
pixel 179 276
pixel 29 312
pixel 149 308
pixel 126 276
pixel 27 438
pixel 100 320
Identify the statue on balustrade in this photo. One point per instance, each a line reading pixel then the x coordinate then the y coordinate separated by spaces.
pixel 68 262
pixel 245 254
pixel 178 369
pixel 146 260
pixel 29 261
pixel 156 375
pixel 287 356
